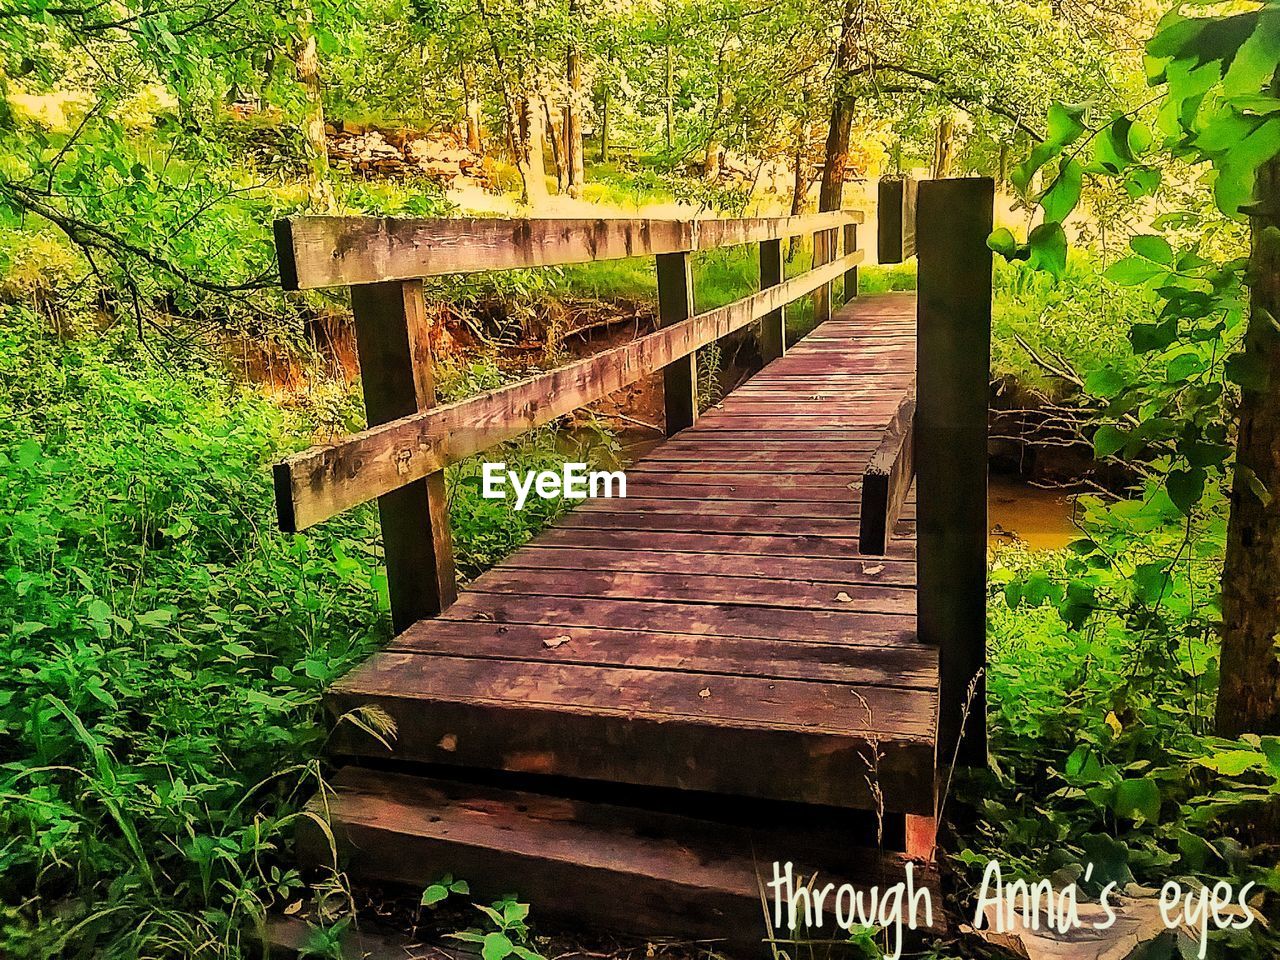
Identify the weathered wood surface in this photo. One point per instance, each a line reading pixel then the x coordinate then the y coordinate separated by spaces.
pixel 896 220
pixel 722 610
pixel 393 339
pixel 324 480
pixel 952 396
pixel 633 870
pixel 888 478
pixel 345 251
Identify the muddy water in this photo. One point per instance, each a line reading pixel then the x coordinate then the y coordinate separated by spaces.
pixel 1020 513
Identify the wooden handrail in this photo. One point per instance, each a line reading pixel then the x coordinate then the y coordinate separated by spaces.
pixel 887 478
pixel 318 252
pixel 400 458
pixel 324 480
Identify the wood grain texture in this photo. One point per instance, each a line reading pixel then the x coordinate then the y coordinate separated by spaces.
pixel 888 478
pixel 896 237
pixel 345 251
pixel 324 480
pixel 721 609
pixel 644 872
pixel 395 358
pixel 953 392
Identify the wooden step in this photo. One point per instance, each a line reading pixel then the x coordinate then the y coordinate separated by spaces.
pixel 512 699
pixel 630 870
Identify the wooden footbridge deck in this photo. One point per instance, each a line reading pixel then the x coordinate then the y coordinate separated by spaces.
pixel 629 718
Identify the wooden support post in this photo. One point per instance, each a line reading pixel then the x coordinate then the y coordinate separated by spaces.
pixel 850 275
pixel 675 303
pixel 395 369
pixel 773 336
pixel 953 352
pixel 824 242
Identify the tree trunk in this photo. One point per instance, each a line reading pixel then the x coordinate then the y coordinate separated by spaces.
pixel 799 189
pixel 529 145
pixel 1249 691
pixel 943 148
pixel 711 156
pixel 557 146
pixel 472 110
pixel 669 89
pixel 306 61
pixel 573 160
pixel 604 125
pixel 831 192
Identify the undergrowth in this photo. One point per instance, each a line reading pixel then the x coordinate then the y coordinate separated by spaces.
pixel 164 647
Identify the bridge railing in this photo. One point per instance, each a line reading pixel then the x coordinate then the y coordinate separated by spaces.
pixel 399 460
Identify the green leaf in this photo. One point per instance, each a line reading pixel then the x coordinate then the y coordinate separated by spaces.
pixel 1002 242
pixel 1147 337
pixel 1065 123
pixel 1137 800
pixel 1232 763
pixel 1255 61
pixel 1105 382
pixel 1063 194
pixel 1108 439
pixel 1132 271
pixel 1110 859
pixel 1049 248
pixel 496 946
pixel 1153 248
pixel 434 894
pixel 1185 487
pixel 1141 181
pixel 1247 371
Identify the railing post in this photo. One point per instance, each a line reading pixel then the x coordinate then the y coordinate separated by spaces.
pixel 850 275
pixel 773 336
pixel 395 371
pixel 953 351
pixel 824 242
pixel 675 303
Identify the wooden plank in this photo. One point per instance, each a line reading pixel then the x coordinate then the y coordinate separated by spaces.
pixel 773 326
pixel 711 620
pixel 700 523
pixel 680 376
pixel 951 447
pixel 648 727
pixel 657 560
pixel 395 361
pixel 850 289
pixel 824 251
pixel 888 478
pixel 914 666
pixel 324 480
pixel 686 541
pixel 896 220
pixel 624 868
pixel 345 251
pixel 707 588
pixel 699 507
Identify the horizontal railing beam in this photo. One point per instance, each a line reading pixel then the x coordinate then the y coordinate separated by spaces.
pixel 887 478
pixel 322 481
pixel 318 252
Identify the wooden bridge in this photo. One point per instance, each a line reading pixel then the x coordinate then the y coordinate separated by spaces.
pixel 766 651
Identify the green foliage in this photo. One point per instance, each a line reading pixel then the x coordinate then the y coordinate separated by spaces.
pixel 1102 680
pixel 509 936
pixel 165 649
